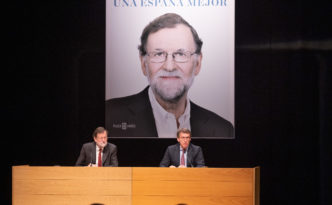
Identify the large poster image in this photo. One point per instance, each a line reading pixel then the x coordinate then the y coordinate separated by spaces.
pixel 169 65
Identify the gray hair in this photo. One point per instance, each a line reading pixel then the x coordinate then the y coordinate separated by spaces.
pixel 168 20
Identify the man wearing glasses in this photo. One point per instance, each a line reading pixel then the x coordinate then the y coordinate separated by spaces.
pixel 170 56
pixel 98 153
pixel 183 154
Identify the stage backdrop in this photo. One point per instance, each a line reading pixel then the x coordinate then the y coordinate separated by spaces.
pixel 213 87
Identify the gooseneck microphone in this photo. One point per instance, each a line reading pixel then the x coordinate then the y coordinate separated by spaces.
pixel 189 160
pixel 90 160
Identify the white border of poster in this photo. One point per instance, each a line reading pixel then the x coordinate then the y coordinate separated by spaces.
pixel 214 21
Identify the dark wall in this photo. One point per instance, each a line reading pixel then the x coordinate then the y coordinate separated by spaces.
pixel 53 88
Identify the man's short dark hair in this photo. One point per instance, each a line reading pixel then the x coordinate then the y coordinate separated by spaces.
pixel 183 130
pixel 99 130
pixel 168 20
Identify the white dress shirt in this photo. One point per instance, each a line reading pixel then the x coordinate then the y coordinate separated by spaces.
pixel 185 156
pixel 97 153
pixel 165 121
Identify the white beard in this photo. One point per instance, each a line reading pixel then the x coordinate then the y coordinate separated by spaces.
pixel 170 90
pixel 101 145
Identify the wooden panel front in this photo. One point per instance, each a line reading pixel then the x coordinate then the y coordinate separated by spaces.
pixel 191 186
pixel 125 186
pixel 71 185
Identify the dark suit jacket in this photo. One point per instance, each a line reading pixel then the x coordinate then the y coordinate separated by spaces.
pixel 172 156
pixel 132 116
pixel 88 155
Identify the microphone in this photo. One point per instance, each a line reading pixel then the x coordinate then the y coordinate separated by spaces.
pixel 189 160
pixel 90 160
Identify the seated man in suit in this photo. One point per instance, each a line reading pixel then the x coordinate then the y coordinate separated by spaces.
pixel 183 154
pixel 170 56
pixel 99 152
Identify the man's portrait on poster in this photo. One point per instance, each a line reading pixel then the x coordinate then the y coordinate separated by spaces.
pixel 170 56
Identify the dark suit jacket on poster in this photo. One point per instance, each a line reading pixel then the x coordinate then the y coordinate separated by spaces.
pixel 88 155
pixel 132 116
pixel 172 156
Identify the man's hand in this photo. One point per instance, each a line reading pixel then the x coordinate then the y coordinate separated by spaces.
pixel 92 165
